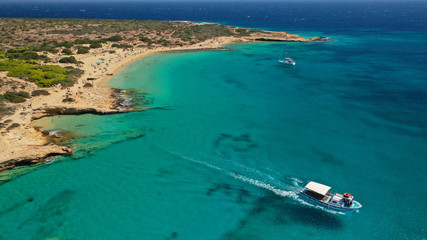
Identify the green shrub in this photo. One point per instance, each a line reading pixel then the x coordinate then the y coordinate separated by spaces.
pixel 146 40
pixel 82 50
pixel 202 32
pixel 45 47
pixel 112 51
pixel 68 99
pixel 242 32
pixel 4 111
pixel 74 73
pixel 68 60
pixel 39 92
pixel 2 55
pixel 115 38
pixel 43 76
pixel 67 51
pixel 95 45
pixel 164 42
pixel 17 50
pixel 14 125
pixel 13 97
pixel 23 94
pixel 82 41
pixel 121 45
pixel 88 85
pixel 66 44
pixel 27 55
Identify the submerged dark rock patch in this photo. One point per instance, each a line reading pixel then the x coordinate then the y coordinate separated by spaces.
pixel 50 216
pixel 218 187
pixel 240 143
pixel 242 194
pixel 326 157
pixel 275 212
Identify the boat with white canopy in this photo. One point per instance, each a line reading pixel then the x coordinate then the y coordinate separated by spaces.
pixel 319 194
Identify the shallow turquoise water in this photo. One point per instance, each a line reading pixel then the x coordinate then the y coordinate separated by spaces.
pixel 230 140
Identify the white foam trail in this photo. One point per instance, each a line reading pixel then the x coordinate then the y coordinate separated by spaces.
pixel 261 174
pixel 280 192
pixel 264 185
pixel 199 162
pixel 296 182
pixel 242 178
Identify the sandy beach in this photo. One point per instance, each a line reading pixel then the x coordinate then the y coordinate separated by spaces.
pixel 25 145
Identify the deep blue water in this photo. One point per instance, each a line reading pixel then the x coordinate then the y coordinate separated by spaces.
pixel 333 16
pixel 233 136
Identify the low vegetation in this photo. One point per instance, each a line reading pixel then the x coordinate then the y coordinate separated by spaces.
pixel 68 99
pixel 199 33
pixel 6 110
pixel 81 35
pixel 39 92
pixel 115 38
pixel 24 54
pixel 95 45
pixel 70 59
pixel 13 125
pixel 121 45
pixel 67 51
pixel 42 75
pixel 16 97
pixel 82 49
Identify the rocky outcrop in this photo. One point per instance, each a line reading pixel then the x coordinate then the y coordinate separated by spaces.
pixel 270 36
pixel 313 39
pixel 35 154
pixel 319 39
pixel 53 111
pixel 278 40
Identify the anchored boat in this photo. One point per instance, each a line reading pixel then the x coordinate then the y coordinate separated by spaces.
pixel 284 60
pixel 319 194
pixel 287 61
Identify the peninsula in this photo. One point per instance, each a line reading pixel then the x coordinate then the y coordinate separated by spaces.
pixel 60 66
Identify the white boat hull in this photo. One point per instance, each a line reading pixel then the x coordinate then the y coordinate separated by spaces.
pixel 287 63
pixel 335 207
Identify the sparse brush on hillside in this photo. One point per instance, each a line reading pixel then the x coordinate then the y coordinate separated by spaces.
pixel 16 97
pixel 50 35
pixel 39 92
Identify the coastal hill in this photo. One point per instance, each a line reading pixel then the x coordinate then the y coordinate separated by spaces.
pixel 50 34
pixel 59 66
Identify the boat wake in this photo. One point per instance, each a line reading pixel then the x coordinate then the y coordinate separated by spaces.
pixel 261 184
pixel 282 190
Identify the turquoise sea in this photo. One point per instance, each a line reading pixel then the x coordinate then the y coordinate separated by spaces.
pixel 230 139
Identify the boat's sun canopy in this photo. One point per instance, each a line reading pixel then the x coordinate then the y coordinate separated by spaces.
pixel 318 188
